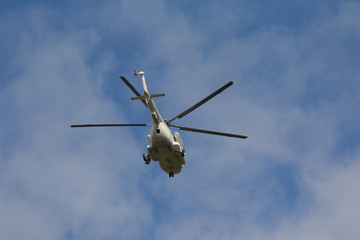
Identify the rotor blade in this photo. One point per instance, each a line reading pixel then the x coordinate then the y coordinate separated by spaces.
pixel 209 132
pixel 132 89
pixel 202 101
pixel 110 125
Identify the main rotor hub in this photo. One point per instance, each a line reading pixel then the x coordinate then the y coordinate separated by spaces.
pixel 167 122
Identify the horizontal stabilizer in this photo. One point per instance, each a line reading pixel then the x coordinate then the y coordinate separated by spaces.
pixel 138 98
pixel 151 96
pixel 157 95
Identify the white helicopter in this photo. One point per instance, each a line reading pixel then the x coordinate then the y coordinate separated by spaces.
pixel 164 146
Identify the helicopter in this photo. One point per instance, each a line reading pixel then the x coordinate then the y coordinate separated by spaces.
pixel 164 147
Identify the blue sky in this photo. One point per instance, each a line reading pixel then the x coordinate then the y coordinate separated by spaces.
pixel 296 71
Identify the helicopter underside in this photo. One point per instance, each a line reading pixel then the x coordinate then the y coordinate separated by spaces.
pixel 171 159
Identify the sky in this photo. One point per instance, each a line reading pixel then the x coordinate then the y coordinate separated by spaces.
pixel 295 67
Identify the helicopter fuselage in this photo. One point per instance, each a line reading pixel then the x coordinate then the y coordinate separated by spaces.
pixel 164 146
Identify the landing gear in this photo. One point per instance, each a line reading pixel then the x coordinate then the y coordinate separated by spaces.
pixel 183 153
pixel 171 174
pixel 147 159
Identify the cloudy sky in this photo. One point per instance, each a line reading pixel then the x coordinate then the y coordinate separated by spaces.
pixel 295 67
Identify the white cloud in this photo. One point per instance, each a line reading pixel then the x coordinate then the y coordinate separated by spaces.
pixel 287 180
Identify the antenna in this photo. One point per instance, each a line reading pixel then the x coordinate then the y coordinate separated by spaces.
pixel 135 72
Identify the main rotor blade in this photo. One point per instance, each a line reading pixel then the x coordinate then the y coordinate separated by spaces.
pixel 209 132
pixel 110 125
pixel 202 101
pixel 133 89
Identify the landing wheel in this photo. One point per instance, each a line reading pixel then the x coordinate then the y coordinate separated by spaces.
pixel 147 159
pixel 183 153
pixel 171 174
